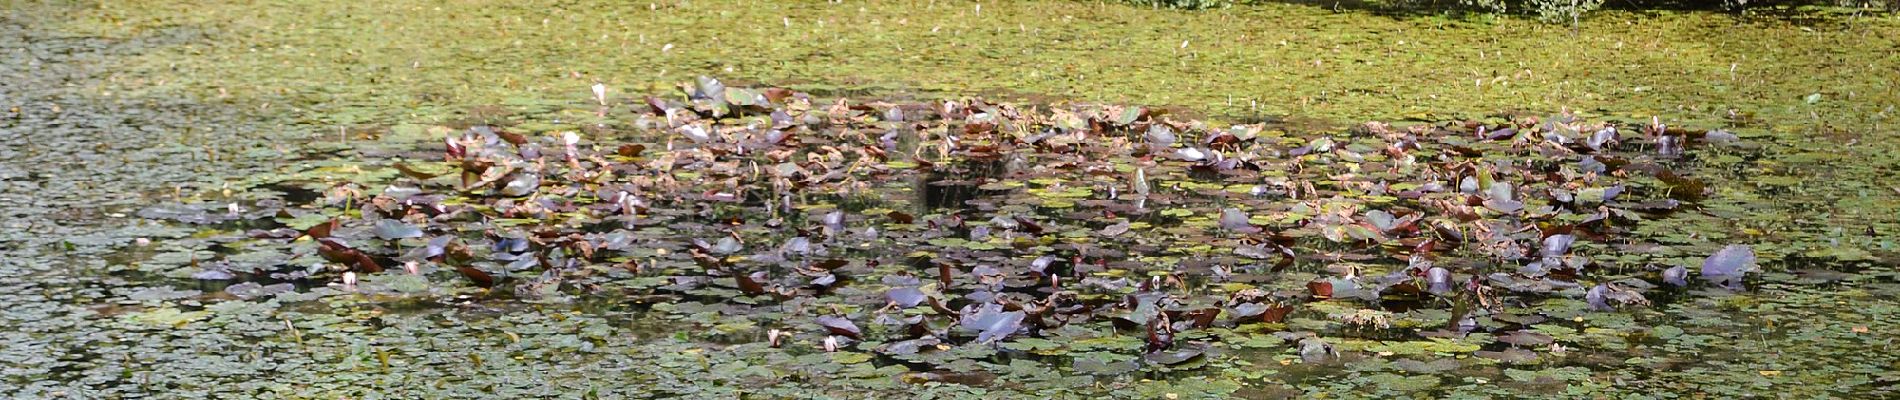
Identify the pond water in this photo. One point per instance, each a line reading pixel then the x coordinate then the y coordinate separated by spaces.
pixel 707 239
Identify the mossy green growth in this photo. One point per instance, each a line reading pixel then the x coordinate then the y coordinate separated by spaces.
pixel 361 62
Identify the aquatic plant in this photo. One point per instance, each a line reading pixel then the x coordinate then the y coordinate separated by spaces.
pixel 1182 4
pixel 108 305
pixel 910 227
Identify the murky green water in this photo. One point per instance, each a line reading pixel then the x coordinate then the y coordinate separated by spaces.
pixel 123 107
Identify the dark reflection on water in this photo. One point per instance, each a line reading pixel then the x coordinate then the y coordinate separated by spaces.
pixel 953 187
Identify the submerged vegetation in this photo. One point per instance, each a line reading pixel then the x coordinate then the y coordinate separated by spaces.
pixel 1021 199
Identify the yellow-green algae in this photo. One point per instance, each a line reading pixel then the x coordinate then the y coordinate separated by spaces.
pixel 1815 88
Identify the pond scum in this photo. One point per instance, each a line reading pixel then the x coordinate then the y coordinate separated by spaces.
pixel 939 241
pixel 287 200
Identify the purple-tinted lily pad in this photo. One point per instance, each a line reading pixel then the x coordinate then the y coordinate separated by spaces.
pixel 1175 356
pixel 905 297
pixel 840 326
pixel 1731 260
pixel 991 323
pixel 906 347
pixel 393 229
pixel 1557 245
pixel 1677 276
pixel 1234 220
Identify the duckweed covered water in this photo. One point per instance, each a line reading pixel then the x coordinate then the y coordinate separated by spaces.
pixel 1072 250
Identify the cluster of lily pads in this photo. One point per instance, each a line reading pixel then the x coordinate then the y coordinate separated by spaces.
pixel 913 230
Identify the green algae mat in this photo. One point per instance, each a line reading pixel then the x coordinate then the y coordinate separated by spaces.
pixel 940 199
